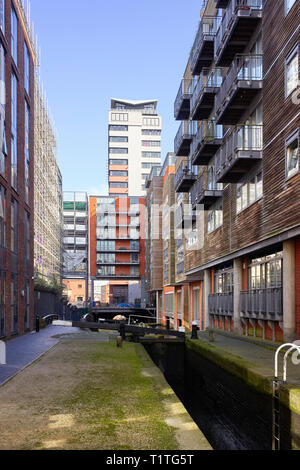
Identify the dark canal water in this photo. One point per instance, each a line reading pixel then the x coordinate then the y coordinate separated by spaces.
pixel 230 414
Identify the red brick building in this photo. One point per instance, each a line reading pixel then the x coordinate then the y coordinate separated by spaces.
pixel 117 246
pixel 17 58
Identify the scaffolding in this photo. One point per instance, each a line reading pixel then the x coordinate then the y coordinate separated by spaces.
pixel 48 198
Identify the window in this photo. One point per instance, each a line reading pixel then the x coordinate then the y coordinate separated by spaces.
pixel 118 128
pixel 118 139
pixel 106 271
pixel 135 258
pixel 14 226
pixel 150 121
pixel 2 16
pixel 118 185
pixel 106 245
pixel 249 192
pixel 151 132
pixel 135 245
pixel 291 72
pixel 151 154
pixel 2 217
pixel 215 217
pixel 26 152
pixel 196 305
pixel 118 173
pixel 3 148
pixel 292 155
pixel 151 143
pixel 119 117
pixel 2 302
pixel 223 282
pixel 169 309
pixel 266 272
pixel 14 303
pixel 79 286
pixel 26 68
pixel 118 150
pixel 14 36
pixel 106 258
pixel 288 5
pixel 14 111
pixel 118 162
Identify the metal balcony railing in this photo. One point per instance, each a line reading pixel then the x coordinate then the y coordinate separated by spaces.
pixel 206 141
pixel 184 178
pixel 234 9
pixel 183 139
pixel 245 142
pixel 262 303
pixel 245 71
pixel 208 28
pixel 208 84
pixel 182 102
pixel 206 190
pixel 221 304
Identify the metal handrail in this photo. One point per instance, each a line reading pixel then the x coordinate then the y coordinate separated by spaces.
pixel 207 79
pixel 208 26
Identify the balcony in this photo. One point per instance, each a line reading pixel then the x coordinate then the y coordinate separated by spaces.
pixel 236 29
pixel 183 216
pixel 221 304
pixel 203 48
pixel 206 142
pixel 205 191
pixel 241 150
pixel 183 139
pixel 265 304
pixel 242 83
pixel 117 263
pixel 203 99
pixel 118 277
pixel 182 102
pixel 184 179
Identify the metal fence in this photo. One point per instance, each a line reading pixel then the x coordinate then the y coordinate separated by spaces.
pixel 221 304
pixel 261 303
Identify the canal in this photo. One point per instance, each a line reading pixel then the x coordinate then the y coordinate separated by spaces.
pixel 231 415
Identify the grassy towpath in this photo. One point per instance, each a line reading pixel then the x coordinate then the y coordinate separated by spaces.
pixel 86 395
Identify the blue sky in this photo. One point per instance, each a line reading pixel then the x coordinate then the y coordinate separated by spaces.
pixel 94 50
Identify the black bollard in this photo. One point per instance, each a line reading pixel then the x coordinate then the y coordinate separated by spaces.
pixel 37 324
pixel 122 331
pixel 194 331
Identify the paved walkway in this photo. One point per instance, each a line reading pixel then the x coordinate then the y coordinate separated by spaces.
pixel 261 358
pixel 23 350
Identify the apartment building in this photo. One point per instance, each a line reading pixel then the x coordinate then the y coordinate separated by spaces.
pixel 76 245
pixel 117 246
pixel 134 135
pixel 48 196
pixel 17 61
pixel 239 163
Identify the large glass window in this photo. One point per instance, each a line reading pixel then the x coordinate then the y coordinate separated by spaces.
pixel 106 258
pixel 26 152
pixel 118 139
pixel 3 146
pixel 106 245
pixel 14 36
pixel 106 271
pixel 249 192
pixel 118 185
pixel 118 173
pixel 14 127
pixel 118 128
pixel 14 226
pixel 151 143
pixel 151 132
pixel 118 150
pixel 151 154
pixel 266 272
pixel 14 303
pixel 118 162
pixel 169 307
pixel 224 281
pixel 2 217
pixel 119 117
pixel 292 155
pixel 26 68
pixel 291 72
pixel 215 217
